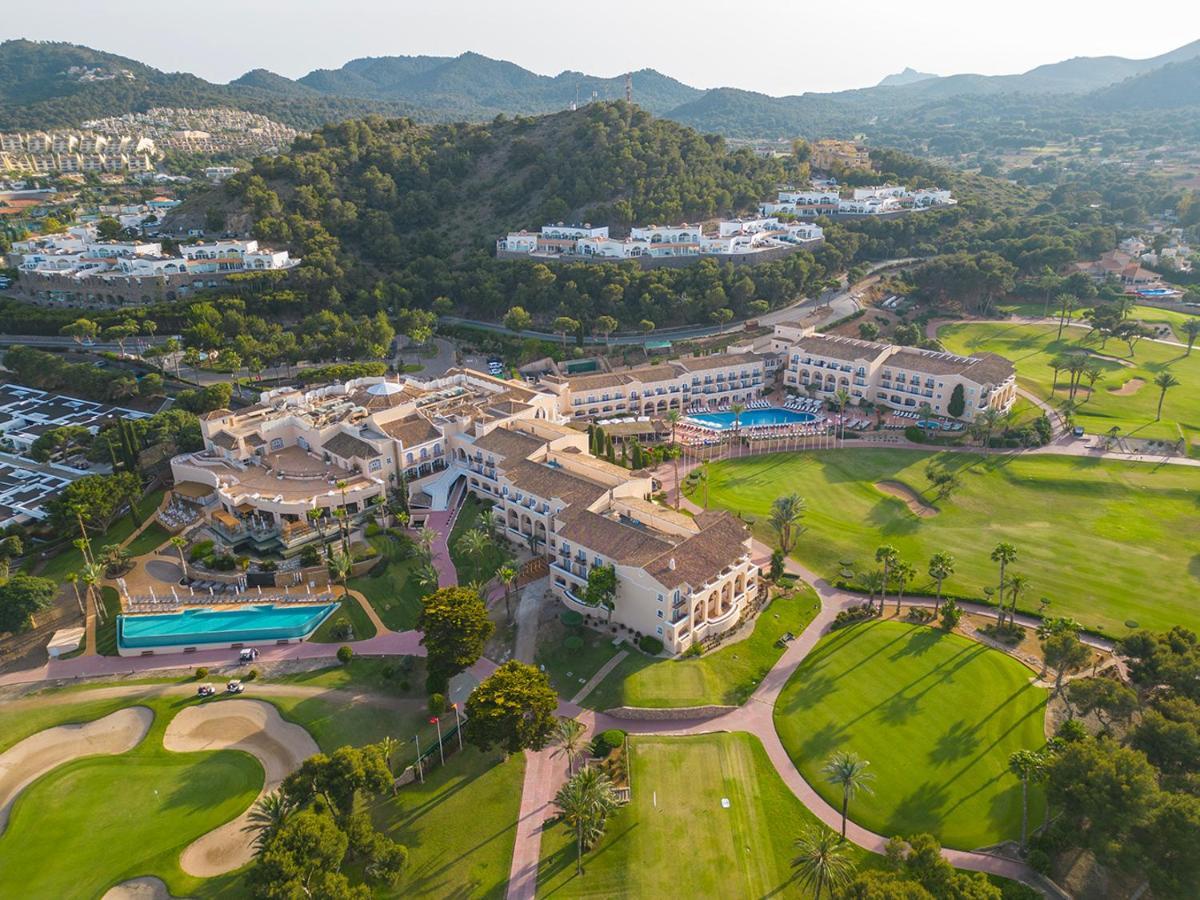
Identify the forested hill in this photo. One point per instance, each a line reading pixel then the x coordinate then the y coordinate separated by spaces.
pixel 38 90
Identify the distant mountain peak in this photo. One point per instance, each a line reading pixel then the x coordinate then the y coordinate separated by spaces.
pixel 908 76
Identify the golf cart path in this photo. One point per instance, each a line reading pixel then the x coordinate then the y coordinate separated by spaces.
pixel 30 759
pixel 254 727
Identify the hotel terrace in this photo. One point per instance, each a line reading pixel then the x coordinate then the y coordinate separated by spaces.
pixel 346 446
pixel 887 375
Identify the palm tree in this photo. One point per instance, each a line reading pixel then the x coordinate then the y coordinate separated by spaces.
pixel 672 418
pixel 267 816
pixel 475 545
pixel 1191 328
pixel 317 517
pixel 426 576
pixel 1026 765
pixel 93 574
pixel 586 801
pixel 568 735
pixel 1066 303
pixel 507 574
pixel 1003 554
pixel 887 556
pixel 1092 373
pixel 388 746
pixel 1165 381
pixel 941 567
pixel 488 523
pixel 849 772
pixel 73 580
pixel 822 859
pixel 737 409
pixel 425 537
pixel 179 542
pixel 786 513
pixel 344 517
pixel 1017 585
pixel 340 566
pixel 902 574
pixel 842 398
pixel 925 411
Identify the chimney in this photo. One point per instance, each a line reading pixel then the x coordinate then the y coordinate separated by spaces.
pixel 671 564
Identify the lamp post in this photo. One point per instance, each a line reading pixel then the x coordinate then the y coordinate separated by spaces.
pixel 420 770
pixel 437 720
pixel 457 725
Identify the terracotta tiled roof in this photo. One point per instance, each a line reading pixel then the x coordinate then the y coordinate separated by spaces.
pixel 347 446
pixel 411 430
pixel 625 544
pixel 547 482
pixel 700 558
pixel 512 445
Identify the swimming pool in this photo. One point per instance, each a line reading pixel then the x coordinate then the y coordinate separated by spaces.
pixel 723 421
pixel 930 424
pixel 213 627
pixel 1154 292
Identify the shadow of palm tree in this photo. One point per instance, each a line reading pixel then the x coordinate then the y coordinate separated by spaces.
pixel 957 741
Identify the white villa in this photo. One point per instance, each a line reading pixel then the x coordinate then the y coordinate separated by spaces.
pixel 887 199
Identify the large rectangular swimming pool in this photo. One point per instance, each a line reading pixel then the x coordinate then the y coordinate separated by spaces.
pixel 723 421
pixel 195 627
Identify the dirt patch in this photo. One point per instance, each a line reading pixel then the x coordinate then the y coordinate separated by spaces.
pixel 33 757
pixel 147 888
pixel 253 727
pixel 901 491
pixel 1132 386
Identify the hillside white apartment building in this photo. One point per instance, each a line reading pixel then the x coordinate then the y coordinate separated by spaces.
pixel 345 446
pixel 734 240
pixel 880 200
pixel 892 376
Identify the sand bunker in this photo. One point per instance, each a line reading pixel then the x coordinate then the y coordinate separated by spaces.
pixel 148 888
pixel 1132 386
pixel 251 726
pixel 911 498
pixel 33 757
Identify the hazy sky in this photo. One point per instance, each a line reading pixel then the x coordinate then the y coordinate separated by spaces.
pixel 777 47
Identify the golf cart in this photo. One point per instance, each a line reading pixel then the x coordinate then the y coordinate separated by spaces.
pixel 205 690
pixel 235 686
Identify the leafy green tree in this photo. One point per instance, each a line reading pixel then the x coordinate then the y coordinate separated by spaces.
pixel 21 596
pixel 513 707
pixel 455 627
pixel 1108 699
pixel 601 591
pixel 849 772
pixel 303 859
pixel 517 319
pixel 267 816
pixel 338 778
pixel 1062 649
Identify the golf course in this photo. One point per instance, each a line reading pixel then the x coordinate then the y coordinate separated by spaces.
pixel 1090 534
pixel 1124 395
pixel 935 715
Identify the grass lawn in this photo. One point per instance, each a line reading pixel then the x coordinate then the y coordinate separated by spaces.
pixel 149 540
pixel 936 715
pixel 678 785
pixel 390 586
pixel 18 725
pixel 1090 534
pixel 1031 347
pixel 459 826
pixel 726 676
pixel 106 632
pixel 71 560
pixel 148 804
pixel 469 569
pixel 350 612
pixel 366 673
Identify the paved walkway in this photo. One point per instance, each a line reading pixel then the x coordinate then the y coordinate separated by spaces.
pixel 599 677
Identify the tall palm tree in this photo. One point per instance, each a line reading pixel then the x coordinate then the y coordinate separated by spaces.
pixel 586 801
pixel 941 567
pixel 822 860
pixel 507 574
pixel 842 399
pixel 737 409
pixel 887 556
pixel 672 418
pixel 786 513
pixel 902 574
pixel 426 576
pixel 179 542
pixel 316 517
pixel 266 818
pixel 1017 585
pixel 340 565
pixel 568 735
pixel 474 544
pixel 1003 554
pixel 1191 328
pixel 1066 303
pixel 73 580
pixel 1164 381
pixel 344 517
pixel 425 537
pixel 388 746
pixel 925 411
pixel 488 523
pixel 93 575
pixel 1026 765
pixel 849 772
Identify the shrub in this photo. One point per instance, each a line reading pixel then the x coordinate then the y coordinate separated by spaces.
pixel 951 615
pixel 694 649
pixel 201 673
pixel 251 675
pixel 1071 731
pixel 345 654
pixel 224 562
pixel 920 614
pixel 650 645
pixel 854 614
pixel 437 704
pixel 607 741
pixel 310 555
pixel 388 671
pixel 1039 860
pixel 915 434
pixel 372 529
pixel 405 685
pixel 200 549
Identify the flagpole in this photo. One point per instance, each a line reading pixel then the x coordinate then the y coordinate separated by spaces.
pixel 437 720
pixel 458 726
pixel 420 771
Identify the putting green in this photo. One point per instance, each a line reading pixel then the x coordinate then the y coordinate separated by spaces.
pixel 1092 536
pixel 675 838
pixel 101 820
pixel 1031 347
pixel 936 715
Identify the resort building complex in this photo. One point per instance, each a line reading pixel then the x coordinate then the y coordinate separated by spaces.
pixel 881 200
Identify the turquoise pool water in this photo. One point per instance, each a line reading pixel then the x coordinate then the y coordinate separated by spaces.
pixel 723 421
pixel 193 627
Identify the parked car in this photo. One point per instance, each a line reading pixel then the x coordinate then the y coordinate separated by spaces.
pixel 205 690
pixel 234 687
pixel 248 655
pixel 1077 431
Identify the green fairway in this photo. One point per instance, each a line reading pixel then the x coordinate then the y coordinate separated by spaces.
pixel 675 839
pixel 1091 535
pixel 1031 347
pixel 97 821
pixel 726 676
pixel 935 714
pixel 459 826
